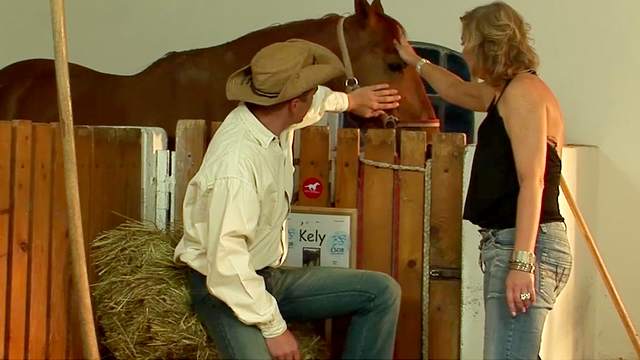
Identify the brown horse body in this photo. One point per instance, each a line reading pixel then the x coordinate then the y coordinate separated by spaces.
pixel 191 84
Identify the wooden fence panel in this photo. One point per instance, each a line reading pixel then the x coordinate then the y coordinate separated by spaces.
pixel 191 139
pixel 347 168
pixel 444 319
pixel 59 288
pixel 20 237
pixel 445 245
pixel 410 239
pixel 314 166
pixel 35 279
pixel 215 125
pixel 85 161
pixel 40 244
pixel 375 248
pixel 5 218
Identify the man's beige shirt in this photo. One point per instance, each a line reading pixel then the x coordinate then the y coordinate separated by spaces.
pixel 236 206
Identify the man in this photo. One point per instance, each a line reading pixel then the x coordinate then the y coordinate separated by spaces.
pixel 236 206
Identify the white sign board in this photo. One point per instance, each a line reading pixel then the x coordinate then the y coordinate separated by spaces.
pixel 319 236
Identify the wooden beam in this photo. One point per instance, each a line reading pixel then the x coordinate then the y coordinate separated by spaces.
pixel 413 146
pixel 376 247
pixel 445 246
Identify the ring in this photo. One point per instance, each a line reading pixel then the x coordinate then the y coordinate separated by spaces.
pixel 525 296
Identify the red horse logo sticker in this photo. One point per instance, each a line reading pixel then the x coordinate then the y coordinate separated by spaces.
pixel 312 188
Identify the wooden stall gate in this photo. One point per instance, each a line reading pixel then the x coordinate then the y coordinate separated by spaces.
pixel 126 171
pixel 393 239
pixel 115 167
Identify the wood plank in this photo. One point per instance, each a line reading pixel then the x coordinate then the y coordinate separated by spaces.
pixel 84 160
pixel 190 147
pixel 40 240
pixel 444 319
pixel 102 175
pixel 346 187
pixel 116 177
pixel 446 200
pixel 58 300
pixel 375 248
pixel 410 239
pixel 5 218
pixel 215 125
pixel 129 146
pixel 347 168
pixel 445 245
pixel 20 239
pixel 314 166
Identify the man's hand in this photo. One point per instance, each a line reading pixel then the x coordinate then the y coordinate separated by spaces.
pixel 283 347
pixel 373 100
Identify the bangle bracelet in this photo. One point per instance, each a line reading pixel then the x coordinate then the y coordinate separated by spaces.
pixel 524 267
pixel 523 256
pixel 421 62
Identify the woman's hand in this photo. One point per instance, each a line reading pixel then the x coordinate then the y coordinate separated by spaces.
pixel 406 51
pixel 518 283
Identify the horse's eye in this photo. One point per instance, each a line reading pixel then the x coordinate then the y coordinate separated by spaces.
pixel 396 66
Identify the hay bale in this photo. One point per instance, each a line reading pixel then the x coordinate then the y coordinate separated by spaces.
pixel 142 302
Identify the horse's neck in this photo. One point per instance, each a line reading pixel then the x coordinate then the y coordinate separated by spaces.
pixel 215 64
pixel 321 31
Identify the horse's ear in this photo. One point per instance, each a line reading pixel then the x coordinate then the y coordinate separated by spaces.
pixel 376 7
pixel 362 8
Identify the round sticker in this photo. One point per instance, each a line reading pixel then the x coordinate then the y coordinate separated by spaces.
pixel 312 188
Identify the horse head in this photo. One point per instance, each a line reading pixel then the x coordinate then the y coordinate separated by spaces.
pixel 370 35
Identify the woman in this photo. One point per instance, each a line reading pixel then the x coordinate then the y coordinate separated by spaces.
pixel 514 186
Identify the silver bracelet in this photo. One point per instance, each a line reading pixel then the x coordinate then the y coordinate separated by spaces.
pixel 520 266
pixel 523 256
pixel 421 62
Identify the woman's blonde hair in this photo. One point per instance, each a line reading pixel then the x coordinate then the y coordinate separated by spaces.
pixel 499 38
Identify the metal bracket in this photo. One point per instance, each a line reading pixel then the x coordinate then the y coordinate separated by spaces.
pixel 444 273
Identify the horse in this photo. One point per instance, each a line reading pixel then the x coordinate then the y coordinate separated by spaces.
pixel 191 84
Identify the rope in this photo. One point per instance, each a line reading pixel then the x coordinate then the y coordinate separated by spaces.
pixel 385 165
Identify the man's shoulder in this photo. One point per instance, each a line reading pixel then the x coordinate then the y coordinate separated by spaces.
pixel 231 162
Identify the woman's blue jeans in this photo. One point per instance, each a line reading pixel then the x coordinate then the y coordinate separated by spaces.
pixel 507 337
pixel 371 298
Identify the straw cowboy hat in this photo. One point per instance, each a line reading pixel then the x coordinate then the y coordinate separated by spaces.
pixel 283 71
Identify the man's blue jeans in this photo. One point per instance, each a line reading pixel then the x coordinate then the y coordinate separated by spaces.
pixel 507 337
pixel 371 298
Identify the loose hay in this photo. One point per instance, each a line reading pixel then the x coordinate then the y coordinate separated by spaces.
pixel 142 301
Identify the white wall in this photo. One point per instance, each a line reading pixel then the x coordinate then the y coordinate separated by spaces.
pixel 589 51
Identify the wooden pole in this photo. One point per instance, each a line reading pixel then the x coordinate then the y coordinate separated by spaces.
pixel 78 261
pixel 608 282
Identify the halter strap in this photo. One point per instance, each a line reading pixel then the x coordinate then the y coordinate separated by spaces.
pixel 352 82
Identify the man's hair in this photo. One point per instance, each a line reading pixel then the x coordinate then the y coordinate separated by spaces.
pixel 499 38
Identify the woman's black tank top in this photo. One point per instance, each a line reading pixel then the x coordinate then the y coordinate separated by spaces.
pixel 493 189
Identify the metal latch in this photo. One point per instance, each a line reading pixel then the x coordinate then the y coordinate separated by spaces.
pixel 444 273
